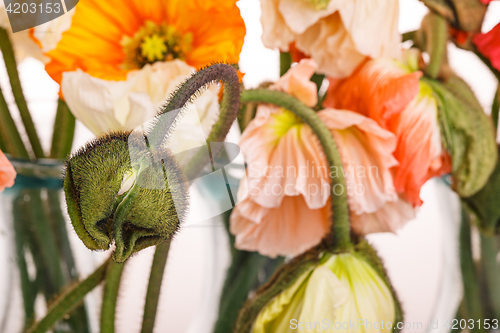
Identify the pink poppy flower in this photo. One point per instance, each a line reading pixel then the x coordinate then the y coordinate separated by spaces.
pixel 287 208
pixel 7 172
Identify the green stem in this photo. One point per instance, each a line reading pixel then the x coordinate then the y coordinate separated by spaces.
pixel 469 277
pixel 46 239
pixel 9 134
pixel 495 107
pixel 228 112
pixel 340 227
pixel 438 43
pixel 318 80
pixel 64 131
pixel 69 300
pixel 491 269
pixel 244 275
pixel 236 294
pixel 79 319
pixel 110 296
pixel 154 286
pixel 410 35
pixel 17 90
pixel 27 286
pixel 285 62
pixel 186 94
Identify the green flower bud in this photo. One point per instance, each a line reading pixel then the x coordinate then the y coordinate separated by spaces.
pixel 118 190
pixel 339 289
pixel 484 205
pixel 467 134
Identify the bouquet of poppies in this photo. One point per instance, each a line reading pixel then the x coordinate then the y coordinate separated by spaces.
pixel 337 148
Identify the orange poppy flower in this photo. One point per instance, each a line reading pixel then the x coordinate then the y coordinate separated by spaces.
pixel 393 96
pixel 107 39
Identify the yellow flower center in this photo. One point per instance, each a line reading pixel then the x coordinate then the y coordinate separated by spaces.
pixel 284 121
pixel 319 4
pixel 155 42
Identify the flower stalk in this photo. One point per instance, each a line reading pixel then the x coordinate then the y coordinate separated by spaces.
pixel 64 131
pixel 69 300
pixel 340 233
pixel 17 90
pixel 111 287
pixel 469 277
pixel 9 135
pixel 228 112
pixel 491 271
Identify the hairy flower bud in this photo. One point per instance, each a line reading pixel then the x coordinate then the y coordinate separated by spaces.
pixel 117 190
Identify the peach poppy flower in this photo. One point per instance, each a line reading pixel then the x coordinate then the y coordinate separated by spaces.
pixel 488 44
pixel 287 207
pixel 7 172
pixel 107 39
pixel 337 34
pixel 393 96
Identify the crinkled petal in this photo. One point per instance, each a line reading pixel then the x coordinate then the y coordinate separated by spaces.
pixel 366 152
pixel 289 229
pixel 389 218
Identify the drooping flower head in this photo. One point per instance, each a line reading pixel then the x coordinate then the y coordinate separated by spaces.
pixel 287 210
pixel 337 34
pixel 391 94
pixel 7 172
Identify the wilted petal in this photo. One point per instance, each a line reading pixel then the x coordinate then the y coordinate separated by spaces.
pixel 289 229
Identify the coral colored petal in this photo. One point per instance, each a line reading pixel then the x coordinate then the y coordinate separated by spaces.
pixel 288 230
pixel 7 172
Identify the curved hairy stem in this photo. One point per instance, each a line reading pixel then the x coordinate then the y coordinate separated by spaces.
pixel 341 228
pixel 17 90
pixel 110 296
pixel 69 300
pixel 186 93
